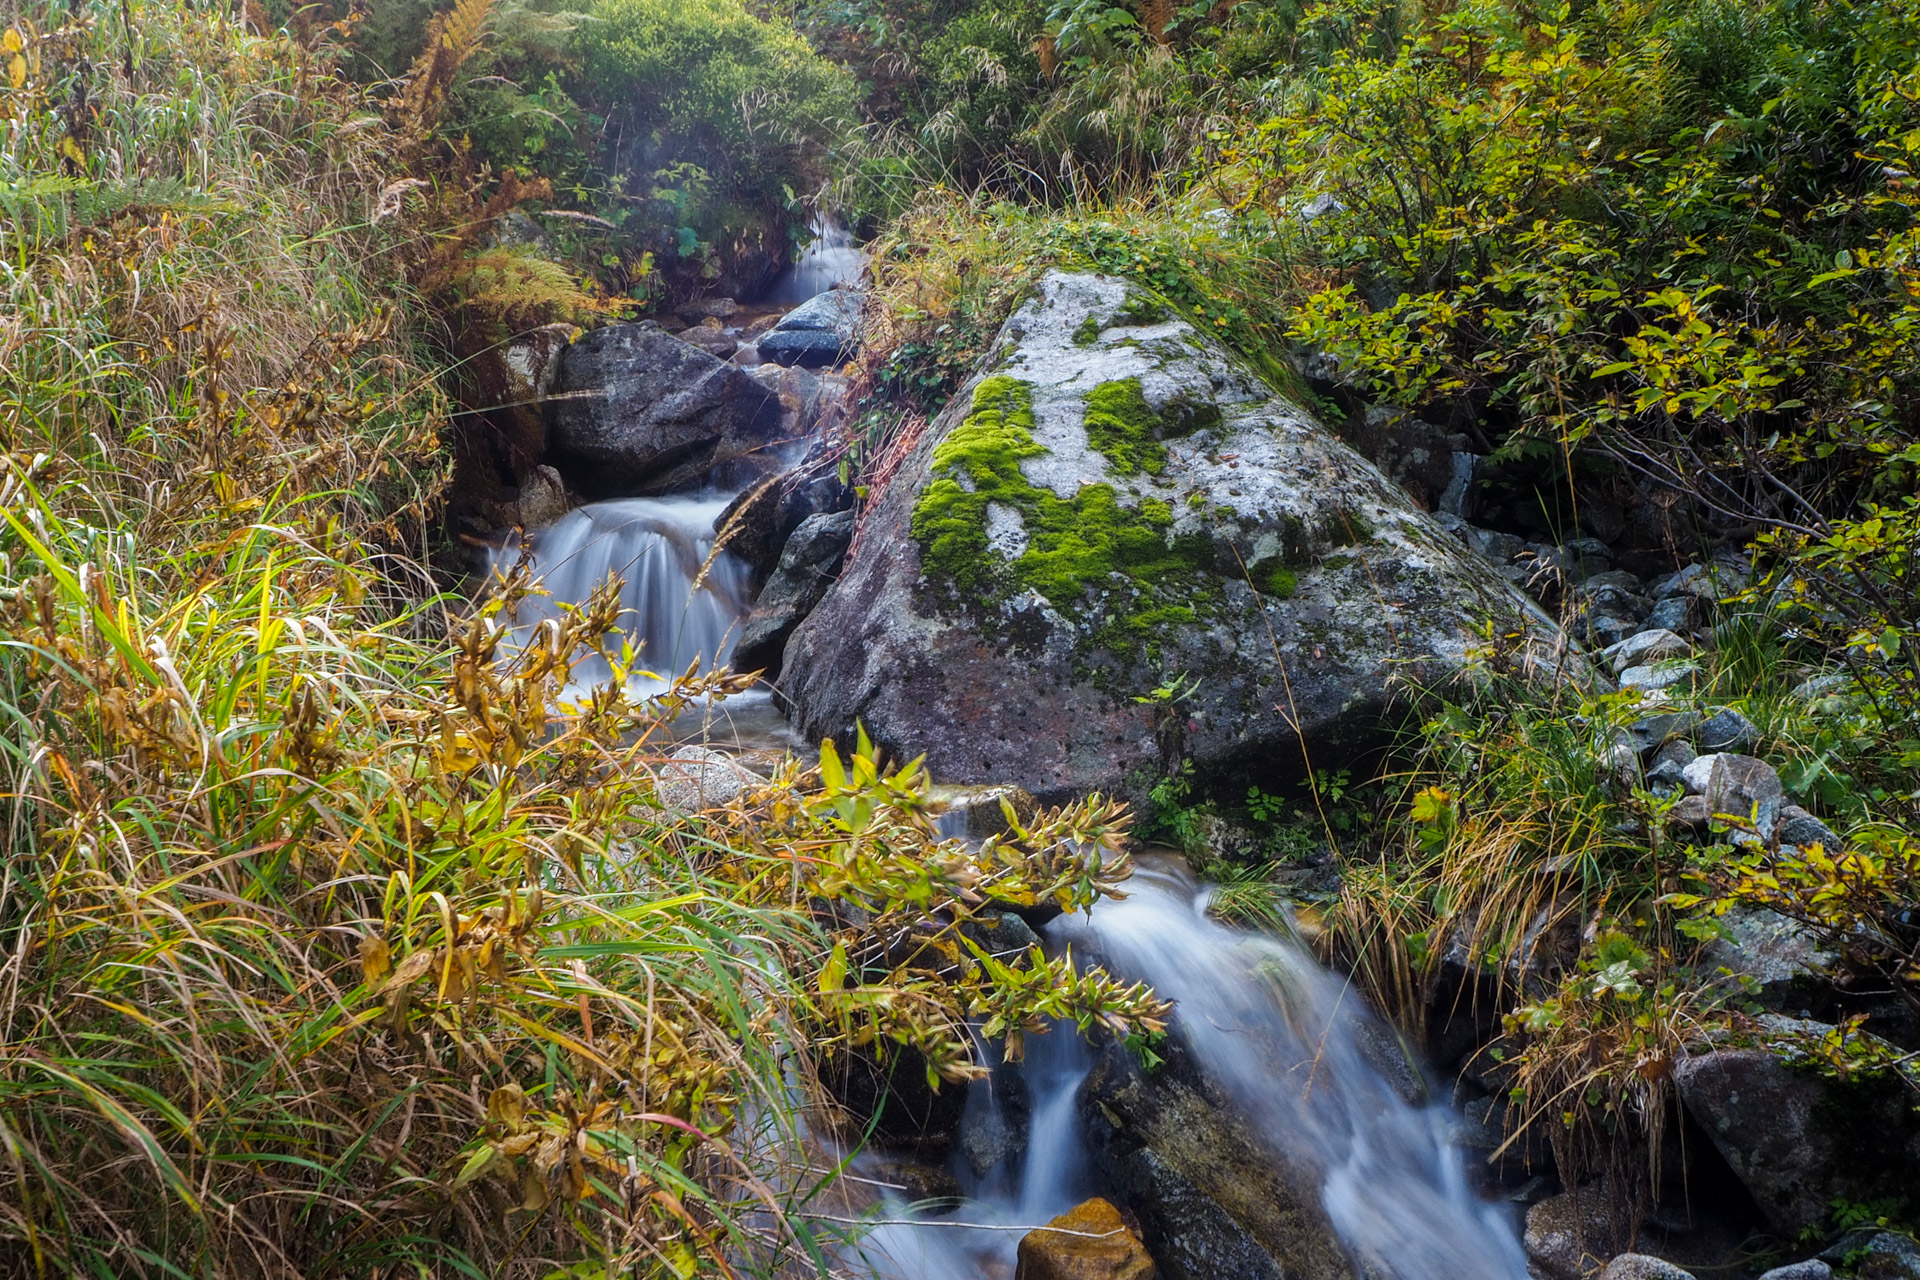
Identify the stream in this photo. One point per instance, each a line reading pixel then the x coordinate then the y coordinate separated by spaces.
pixel 1289 1044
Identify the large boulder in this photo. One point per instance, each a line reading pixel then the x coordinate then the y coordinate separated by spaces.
pixel 634 410
pixel 1795 1140
pixel 1113 507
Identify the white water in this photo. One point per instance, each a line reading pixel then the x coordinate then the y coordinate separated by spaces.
pixel 1286 1041
pixel 830 260
pixel 675 613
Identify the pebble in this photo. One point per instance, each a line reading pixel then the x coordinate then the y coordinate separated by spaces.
pixel 1645 647
pixel 1654 677
pixel 1727 730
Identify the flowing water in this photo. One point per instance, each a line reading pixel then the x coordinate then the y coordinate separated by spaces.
pixel 1289 1043
pixel 1295 1050
pixel 831 259
pixel 683 603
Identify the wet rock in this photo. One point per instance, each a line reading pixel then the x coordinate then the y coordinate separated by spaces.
pixel 696 778
pixel 994 1127
pixel 915 1182
pixel 710 339
pixel 821 331
pixel 634 410
pixel 976 812
pixel 1811 1269
pixel 1645 647
pixel 757 524
pixel 1641 1266
pixel 1726 730
pixel 806 571
pixel 1742 786
pixel 1211 1202
pixel 543 499
pixel 1777 958
pixel 1088 1242
pixel 1358 595
pixel 715 309
pixel 1001 934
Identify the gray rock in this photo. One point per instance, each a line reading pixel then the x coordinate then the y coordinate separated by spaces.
pixel 543 499
pixel 1571 1235
pixel 824 330
pixel 1654 732
pixel 1641 1266
pixel 807 570
pixel 1605 598
pixel 1727 730
pixel 1660 676
pixel 1705 582
pixel 1667 769
pixel 1761 1117
pixel 1360 595
pixel 707 308
pixel 1798 1141
pixel 1679 614
pixel 809 348
pixel 1801 829
pixel 1414 454
pixel 1811 1269
pixel 1742 786
pixel 1818 688
pixel 1777 957
pixel 634 410
pixel 1644 647
pixel 696 778
pixel 1604 629
pixel 1885 1255
pixel 1615 580
pixel 1691 812
pixel 1497 547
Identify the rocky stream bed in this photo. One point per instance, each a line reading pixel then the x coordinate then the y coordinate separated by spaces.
pixel 1114 501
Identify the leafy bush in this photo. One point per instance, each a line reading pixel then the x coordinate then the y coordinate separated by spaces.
pixel 718 121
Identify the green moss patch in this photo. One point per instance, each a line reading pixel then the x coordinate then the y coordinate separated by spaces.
pixel 1074 546
pixel 1088 333
pixel 1121 425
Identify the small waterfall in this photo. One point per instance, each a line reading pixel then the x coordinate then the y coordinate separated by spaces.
pixel 1287 1041
pixel 830 260
pixel 657 546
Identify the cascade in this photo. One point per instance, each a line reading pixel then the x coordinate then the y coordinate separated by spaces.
pixel 1288 1042
pixel 830 259
pixel 683 602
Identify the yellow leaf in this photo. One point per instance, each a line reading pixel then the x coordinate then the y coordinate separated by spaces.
pixel 17 70
pixel 11 41
pixel 71 150
pixel 375 959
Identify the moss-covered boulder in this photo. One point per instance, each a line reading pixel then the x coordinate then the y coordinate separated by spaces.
pixel 1118 549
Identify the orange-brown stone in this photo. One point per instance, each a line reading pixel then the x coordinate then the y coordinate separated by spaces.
pixel 1088 1242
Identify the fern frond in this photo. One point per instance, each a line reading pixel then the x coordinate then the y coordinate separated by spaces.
pixel 452 38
